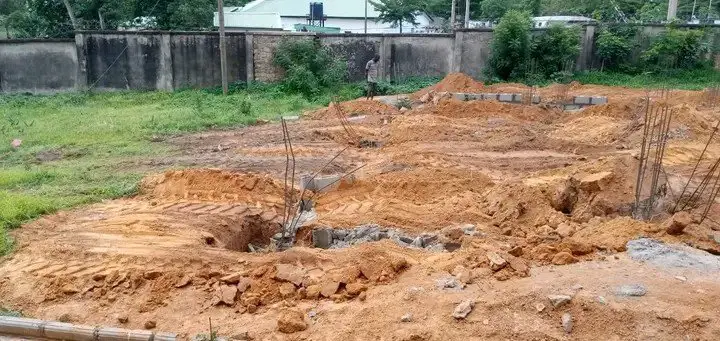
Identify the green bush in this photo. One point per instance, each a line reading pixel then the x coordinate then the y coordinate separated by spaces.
pixel 614 48
pixel 677 49
pixel 511 46
pixel 556 50
pixel 309 67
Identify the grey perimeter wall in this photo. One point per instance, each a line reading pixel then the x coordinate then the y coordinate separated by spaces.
pixel 175 60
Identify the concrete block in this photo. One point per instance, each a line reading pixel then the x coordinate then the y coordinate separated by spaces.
pixel 490 97
pixel 165 337
pixel 325 183
pixel 322 238
pixel 582 100
pixel 305 182
pixel 536 99
pixel 112 334
pixel 460 96
pixel 598 100
pixel 21 326
pixel 291 118
pixel 506 97
pixel 474 97
pixel 139 335
pixel 84 333
pixel 59 331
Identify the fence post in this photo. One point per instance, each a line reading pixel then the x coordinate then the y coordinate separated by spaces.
pixel 249 58
pixel 81 81
pixel 457 51
pixel 587 45
pixel 165 74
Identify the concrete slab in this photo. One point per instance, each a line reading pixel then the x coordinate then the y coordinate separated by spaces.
pixel 506 97
pixel 112 334
pixel 59 331
pixel 599 100
pixel 490 97
pixel 21 326
pixel 583 100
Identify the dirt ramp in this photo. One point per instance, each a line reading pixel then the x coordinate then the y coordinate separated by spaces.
pixel 454 82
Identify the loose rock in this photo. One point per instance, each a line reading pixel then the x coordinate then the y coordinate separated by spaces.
pixel 496 262
pixel 150 324
pixel 183 282
pixel 233 278
pixel 406 318
pixel 227 294
pixel 244 284
pixel 463 309
pixel 291 321
pixel 565 230
pixel 152 274
pixel 355 288
pixel 559 300
pixel 677 223
pixel 329 289
pixel 567 322
pixel 123 319
pixel 633 290
pixel 539 307
pixel 563 258
pixel 287 289
pixel 289 273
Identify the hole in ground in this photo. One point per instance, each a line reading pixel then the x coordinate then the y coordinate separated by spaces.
pixel 237 235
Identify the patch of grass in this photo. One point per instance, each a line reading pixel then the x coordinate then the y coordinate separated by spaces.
pixel 696 79
pixel 102 135
pixel 9 312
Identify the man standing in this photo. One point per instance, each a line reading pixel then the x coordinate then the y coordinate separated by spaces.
pixel 371 73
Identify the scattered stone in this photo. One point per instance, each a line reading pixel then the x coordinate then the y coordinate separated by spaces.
pixel 567 322
pixel 496 262
pixel 244 284
pixel 183 282
pixel 602 300
pixel 518 264
pixel 448 283
pixel 67 318
pixel 287 290
pixel 233 278
pixel 291 321
pixel 313 291
pixel 565 230
pixel 406 318
pixel 563 258
pixel 516 251
pixel 566 196
pixel 363 296
pixel 152 274
pixel 227 294
pixel 539 307
pixel 330 288
pixel 681 278
pixel 579 248
pixel 677 223
pixel 632 290
pixel 322 238
pixel 289 273
pixel 355 289
pixel 559 300
pixel 577 287
pixel 462 274
pixel 150 324
pixel 463 309
pixel 252 308
pixel 123 319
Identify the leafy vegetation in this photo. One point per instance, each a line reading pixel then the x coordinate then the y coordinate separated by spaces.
pixel 309 67
pixel 696 79
pixel 676 48
pixel 614 45
pixel 398 11
pixel 511 46
pixel 556 50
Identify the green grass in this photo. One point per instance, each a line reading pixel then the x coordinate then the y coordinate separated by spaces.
pixel 100 134
pixel 673 79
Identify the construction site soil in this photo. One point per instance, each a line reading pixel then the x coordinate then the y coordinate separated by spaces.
pixel 538 201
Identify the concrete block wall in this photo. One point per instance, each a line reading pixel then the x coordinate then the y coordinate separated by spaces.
pixel 174 60
pixel 37 66
pixel 32 328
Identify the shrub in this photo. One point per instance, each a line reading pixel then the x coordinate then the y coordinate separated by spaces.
pixel 511 46
pixel 556 49
pixel 613 48
pixel 309 67
pixel 676 48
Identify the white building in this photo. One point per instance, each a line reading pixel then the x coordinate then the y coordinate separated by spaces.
pixel 346 15
pixel 541 22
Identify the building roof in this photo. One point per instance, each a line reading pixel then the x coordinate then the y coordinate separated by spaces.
pixel 300 8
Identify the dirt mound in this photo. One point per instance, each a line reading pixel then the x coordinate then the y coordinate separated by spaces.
pixel 356 107
pixel 454 108
pixel 454 82
pixel 631 109
pixel 213 184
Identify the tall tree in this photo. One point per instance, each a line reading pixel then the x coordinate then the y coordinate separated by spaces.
pixel 398 11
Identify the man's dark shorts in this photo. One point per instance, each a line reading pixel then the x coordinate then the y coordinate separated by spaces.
pixel 372 88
